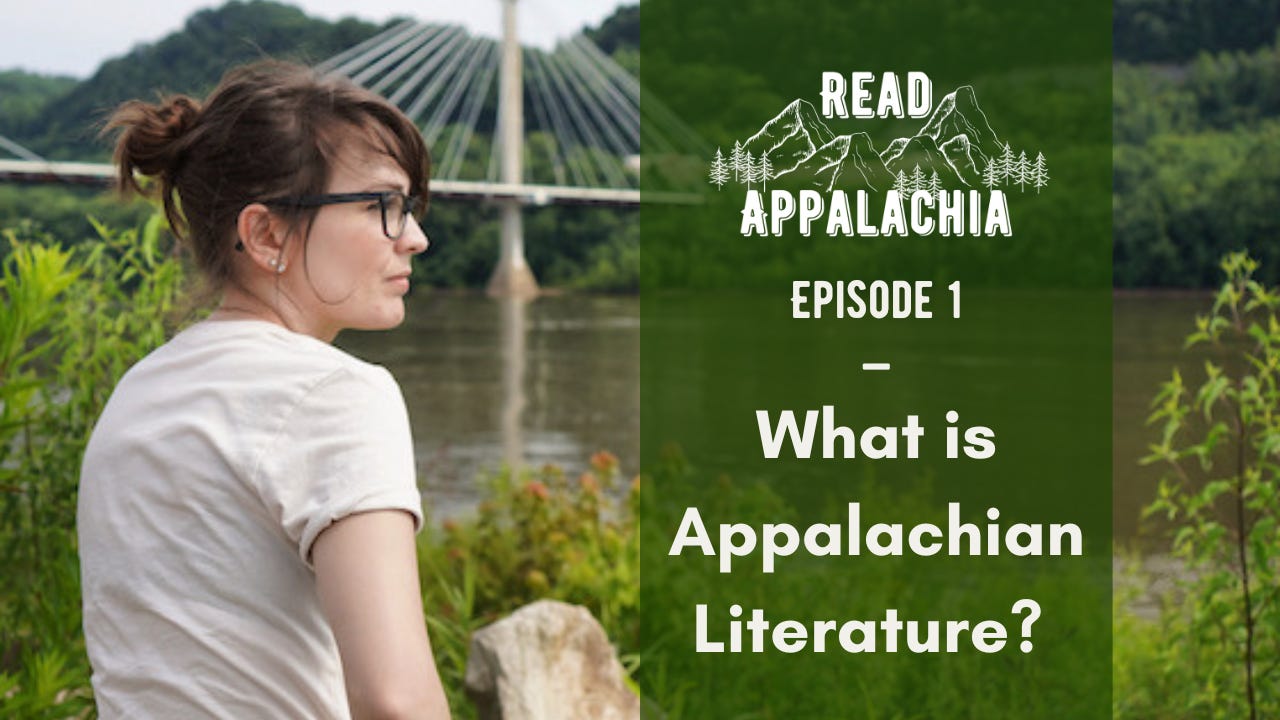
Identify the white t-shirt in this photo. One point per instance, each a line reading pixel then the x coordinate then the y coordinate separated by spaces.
pixel 217 461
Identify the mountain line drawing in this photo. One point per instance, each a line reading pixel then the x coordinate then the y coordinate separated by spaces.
pixel 955 149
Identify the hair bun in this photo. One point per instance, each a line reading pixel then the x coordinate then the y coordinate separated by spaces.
pixel 178 115
pixel 153 136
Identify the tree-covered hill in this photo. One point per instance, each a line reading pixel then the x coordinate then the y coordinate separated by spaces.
pixel 23 95
pixel 1197 141
pixel 619 31
pixel 190 60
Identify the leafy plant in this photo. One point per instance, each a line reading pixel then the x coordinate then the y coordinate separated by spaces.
pixel 71 323
pixel 1222 442
pixel 538 534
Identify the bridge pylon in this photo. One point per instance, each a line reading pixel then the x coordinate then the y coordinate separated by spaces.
pixel 512 276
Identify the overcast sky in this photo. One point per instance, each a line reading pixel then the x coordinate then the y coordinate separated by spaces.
pixel 72 37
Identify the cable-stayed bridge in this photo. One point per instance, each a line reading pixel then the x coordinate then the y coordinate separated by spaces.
pixel 507 124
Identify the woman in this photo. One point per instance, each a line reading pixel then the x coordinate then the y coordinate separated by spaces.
pixel 247 502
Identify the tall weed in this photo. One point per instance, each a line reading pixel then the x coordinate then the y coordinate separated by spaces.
pixel 72 321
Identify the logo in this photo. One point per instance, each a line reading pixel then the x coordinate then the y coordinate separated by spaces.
pixel 943 177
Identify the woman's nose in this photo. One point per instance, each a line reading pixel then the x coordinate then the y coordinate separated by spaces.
pixel 414 240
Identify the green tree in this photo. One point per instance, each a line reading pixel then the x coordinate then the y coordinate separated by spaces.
pixel 1222 443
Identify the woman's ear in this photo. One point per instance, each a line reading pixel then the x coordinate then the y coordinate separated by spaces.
pixel 261 236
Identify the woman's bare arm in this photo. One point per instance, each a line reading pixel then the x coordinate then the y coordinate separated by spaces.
pixel 367 577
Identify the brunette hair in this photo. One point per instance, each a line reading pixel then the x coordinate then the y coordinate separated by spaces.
pixel 269 129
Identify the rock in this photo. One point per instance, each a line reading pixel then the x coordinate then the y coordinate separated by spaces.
pixel 547 661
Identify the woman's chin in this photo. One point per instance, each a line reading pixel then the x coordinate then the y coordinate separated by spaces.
pixel 390 317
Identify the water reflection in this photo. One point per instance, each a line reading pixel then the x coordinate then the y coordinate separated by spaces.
pixel 547 381
pixel 512 329
pixel 1148 334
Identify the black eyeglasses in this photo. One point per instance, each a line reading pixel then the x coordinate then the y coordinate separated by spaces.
pixel 396 207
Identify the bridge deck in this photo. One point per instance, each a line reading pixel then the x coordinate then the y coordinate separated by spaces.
pixel 102 174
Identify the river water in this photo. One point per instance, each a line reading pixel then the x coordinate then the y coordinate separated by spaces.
pixel 493 382
pixel 556 379
pixel 1149 331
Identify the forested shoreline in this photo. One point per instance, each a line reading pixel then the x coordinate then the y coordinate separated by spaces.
pixel 1197 167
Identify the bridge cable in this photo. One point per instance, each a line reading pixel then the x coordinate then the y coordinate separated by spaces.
pixel 607 171
pixel 456 37
pixel 598 106
pixel 20 151
pixel 440 35
pixel 420 36
pixel 444 112
pixel 390 41
pixel 565 137
pixel 429 93
pixel 623 108
pixel 658 113
pixel 460 141
pixel 576 142
pixel 629 86
pixel 328 65
pixel 544 124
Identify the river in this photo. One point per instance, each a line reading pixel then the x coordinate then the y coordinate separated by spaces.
pixel 489 382
pixel 1149 331
pixel 554 380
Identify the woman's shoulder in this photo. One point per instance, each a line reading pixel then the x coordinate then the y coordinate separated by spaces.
pixel 249 353
pixel 275 341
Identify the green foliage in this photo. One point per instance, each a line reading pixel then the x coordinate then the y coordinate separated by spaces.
pixel 582 247
pixel 1222 443
pixel 1196 160
pixel 538 535
pixel 72 321
pixel 1183 200
pixel 619 31
pixel 614 265
pixel 1153 677
pixel 586 247
pixel 1170 30
pixel 23 94
pixel 63 212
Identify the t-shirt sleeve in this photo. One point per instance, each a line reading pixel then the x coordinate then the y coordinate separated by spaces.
pixel 344 448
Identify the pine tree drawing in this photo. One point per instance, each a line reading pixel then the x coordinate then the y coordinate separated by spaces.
pixel 917 179
pixel 766 171
pixel 735 161
pixel 719 174
pixel 900 183
pixel 1022 170
pixel 991 175
pixel 749 168
pixel 935 183
pixel 1039 173
pixel 1006 165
